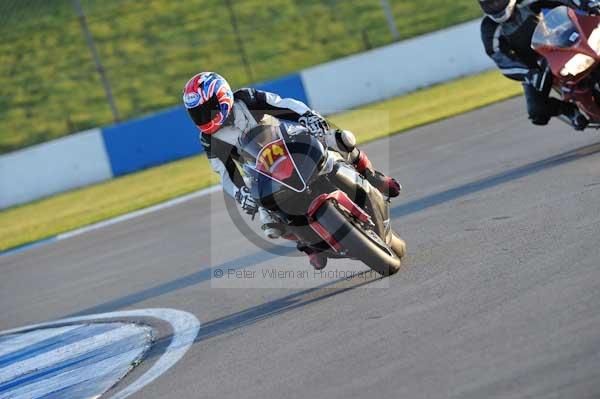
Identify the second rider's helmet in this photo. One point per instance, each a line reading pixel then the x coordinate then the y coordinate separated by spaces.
pixel 498 10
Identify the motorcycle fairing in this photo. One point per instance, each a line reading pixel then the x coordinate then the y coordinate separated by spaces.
pixel 308 156
pixel 561 34
pixel 364 195
pixel 325 235
pixel 276 162
pixel 342 199
pixel 318 172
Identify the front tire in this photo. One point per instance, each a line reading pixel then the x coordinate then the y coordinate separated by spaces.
pixel 398 245
pixel 359 243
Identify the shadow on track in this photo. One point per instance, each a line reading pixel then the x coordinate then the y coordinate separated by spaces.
pixel 203 275
pixel 255 314
pixel 281 305
pixel 397 211
pixel 493 181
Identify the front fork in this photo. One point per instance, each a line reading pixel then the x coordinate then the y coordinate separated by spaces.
pixel 337 174
pixel 362 193
pixel 586 96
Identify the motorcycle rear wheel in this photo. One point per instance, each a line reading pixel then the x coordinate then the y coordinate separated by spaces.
pixel 359 243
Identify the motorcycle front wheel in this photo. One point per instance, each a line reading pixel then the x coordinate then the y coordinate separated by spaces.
pixel 361 243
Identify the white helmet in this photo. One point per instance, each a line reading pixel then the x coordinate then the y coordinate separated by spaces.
pixel 498 10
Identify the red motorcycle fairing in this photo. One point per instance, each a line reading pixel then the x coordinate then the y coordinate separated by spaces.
pixel 325 235
pixel 342 199
pixel 558 56
pixel 561 35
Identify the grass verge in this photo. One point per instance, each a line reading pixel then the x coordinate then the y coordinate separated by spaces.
pixel 67 211
pixel 150 48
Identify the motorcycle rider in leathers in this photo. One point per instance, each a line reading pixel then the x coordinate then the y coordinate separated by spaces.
pixel 223 116
pixel 506 32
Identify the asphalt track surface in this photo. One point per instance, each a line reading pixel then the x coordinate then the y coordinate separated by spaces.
pixel 499 296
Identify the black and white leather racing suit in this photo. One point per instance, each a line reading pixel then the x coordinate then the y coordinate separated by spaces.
pixel 250 106
pixel 509 45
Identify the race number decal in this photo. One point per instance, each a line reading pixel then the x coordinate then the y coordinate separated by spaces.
pixel 270 156
pixel 275 162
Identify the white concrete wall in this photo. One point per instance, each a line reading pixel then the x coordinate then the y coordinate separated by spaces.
pixel 396 69
pixel 53 167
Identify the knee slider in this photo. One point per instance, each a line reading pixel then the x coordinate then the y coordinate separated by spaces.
pixel 346 140
pixel 539 112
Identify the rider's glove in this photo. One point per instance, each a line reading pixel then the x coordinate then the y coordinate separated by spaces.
pixel 246 201
pixel 315 123
pixel 589 6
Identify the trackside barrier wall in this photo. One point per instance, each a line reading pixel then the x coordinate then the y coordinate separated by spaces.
pixel 170 135
pixel 58 165
pixel 396 69
pixel 150 141
pixel 96 155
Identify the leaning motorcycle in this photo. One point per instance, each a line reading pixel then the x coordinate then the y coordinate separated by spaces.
pixel 319 200
pixel 570 44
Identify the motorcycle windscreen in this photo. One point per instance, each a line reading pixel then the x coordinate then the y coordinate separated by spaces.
pixel 275 161
pixel 555 29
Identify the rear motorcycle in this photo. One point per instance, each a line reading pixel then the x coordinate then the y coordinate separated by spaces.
pixel 319 200
pixel 570 44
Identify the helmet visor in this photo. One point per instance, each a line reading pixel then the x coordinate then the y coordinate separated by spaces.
pixel 494 7
pixel 205 112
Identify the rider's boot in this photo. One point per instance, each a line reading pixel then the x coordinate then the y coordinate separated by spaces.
pixel 386 184
pixel 578 120
pixel 317 259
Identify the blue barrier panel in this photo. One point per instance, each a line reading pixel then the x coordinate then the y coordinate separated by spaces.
pixel 171 135
pixel 151 141
pixel 287 86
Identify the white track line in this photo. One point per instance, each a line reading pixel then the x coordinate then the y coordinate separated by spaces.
pixel 65 352
pixel 185 329
pixel 18 342
pixel 111 369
